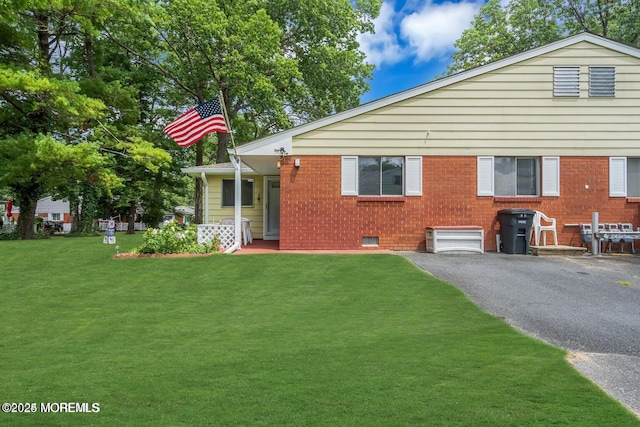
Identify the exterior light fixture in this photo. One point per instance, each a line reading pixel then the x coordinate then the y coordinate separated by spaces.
pixel 283 153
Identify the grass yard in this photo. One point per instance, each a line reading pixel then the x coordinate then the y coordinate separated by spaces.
pixel 268 340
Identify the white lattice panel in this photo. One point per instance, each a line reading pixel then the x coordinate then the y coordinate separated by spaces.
pixel 225 233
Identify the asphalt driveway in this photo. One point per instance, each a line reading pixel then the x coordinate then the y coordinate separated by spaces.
pixel 587 305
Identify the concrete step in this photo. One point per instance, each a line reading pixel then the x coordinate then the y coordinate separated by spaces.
pixel 559 250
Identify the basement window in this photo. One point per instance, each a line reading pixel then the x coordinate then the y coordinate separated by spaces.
pixel 370 241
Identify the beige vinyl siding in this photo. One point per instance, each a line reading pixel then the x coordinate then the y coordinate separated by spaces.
pixel 509 111
pixel 255 213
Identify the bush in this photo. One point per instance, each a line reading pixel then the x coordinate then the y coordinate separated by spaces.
pixel 175 238
pixel 9 236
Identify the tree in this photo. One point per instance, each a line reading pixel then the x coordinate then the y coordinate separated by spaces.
pixel 61 82
pixel 616 20
pixel 500 31
pixel 277 62
pixel 43 113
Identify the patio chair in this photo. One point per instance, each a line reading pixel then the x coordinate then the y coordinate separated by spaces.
pixel 245 226
pixel 541 225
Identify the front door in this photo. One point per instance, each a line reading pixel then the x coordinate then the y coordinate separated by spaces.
pixel 272 208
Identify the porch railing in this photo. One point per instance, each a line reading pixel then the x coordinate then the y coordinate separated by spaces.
pixel 225 233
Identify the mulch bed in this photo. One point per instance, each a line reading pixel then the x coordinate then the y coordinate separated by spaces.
pixel 128 255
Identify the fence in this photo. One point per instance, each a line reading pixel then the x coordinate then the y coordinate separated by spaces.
pixel 225 233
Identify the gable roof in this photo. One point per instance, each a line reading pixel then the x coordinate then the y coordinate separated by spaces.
pixel 284 139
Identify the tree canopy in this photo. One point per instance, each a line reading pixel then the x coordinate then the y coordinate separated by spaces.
pixel 86 88
pixel 504 29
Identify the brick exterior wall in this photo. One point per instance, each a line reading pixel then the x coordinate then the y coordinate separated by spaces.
pixel 313 214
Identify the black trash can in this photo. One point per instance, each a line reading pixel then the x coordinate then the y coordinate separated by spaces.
pixel 515 230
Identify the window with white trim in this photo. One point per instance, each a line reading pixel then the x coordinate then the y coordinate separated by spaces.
pixel 56 217
pixel 229 195
pixel 624 176
pixel 518 176
pixel 566 81
pixel 381 176
pixel 602 81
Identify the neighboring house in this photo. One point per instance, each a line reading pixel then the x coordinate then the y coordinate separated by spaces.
pixel 181 214
pixel 56 211
pixel 51 210
pixel 555 129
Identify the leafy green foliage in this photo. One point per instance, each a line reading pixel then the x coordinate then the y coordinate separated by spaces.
pixel 278 62
pixel 175 238
pixel 94 84
pixel 9 236
pixel 502 29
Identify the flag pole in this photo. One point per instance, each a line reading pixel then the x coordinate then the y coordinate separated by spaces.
pixel 237 164
pixel 226 119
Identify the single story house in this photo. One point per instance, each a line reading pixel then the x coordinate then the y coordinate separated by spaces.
pixel 554 129
pixel 181 214
pixel 50 209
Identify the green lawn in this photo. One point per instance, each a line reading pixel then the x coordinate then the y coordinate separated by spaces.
pixel 271 340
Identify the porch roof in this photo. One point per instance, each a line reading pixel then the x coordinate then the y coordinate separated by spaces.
pixel 216 169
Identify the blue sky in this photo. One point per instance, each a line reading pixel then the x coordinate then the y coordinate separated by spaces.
pixel 414 42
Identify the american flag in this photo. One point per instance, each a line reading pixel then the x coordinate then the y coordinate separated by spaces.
pixel 191 126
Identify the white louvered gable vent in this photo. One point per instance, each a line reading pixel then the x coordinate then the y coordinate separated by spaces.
pixel 602 81
pixel 566 81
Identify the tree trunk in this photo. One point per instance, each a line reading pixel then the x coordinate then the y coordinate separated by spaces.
pixel 223 142
pixel 88 51
pixel 42 18
pixel 131 226
pixel 199 216
pixel 74 204
pixel 26 197
pixel 26 218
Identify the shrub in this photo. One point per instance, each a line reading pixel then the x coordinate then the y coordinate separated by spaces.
pixel 9 236
pixel 175 238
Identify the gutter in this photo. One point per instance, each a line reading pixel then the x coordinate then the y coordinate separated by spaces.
pixel 206 197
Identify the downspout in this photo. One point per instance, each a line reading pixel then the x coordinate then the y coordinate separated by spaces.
pixel 206 197
pixel 237 206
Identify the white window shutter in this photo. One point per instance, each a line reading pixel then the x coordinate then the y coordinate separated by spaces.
pixel 485 176
pixel 617 176
pixel 349 176
pixel 551 176
pixel 413 176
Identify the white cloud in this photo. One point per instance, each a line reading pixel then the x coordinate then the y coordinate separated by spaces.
pixel 383 46
pixel 422 30
pixel 432 30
